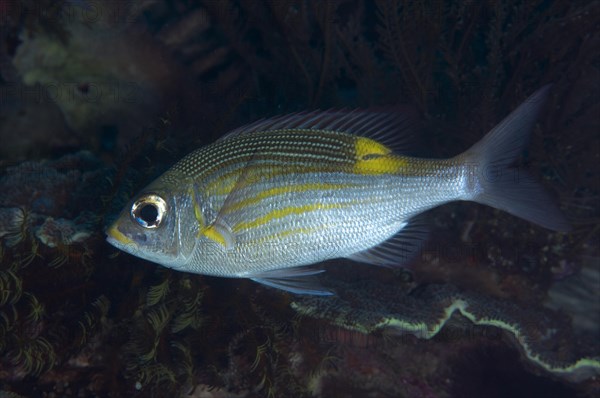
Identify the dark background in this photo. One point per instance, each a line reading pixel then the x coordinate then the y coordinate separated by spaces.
pixel 97 98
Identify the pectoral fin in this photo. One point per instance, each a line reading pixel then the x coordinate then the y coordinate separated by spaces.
pixel 220 233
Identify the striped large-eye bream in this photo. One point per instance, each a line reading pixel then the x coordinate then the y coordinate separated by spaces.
pixel 270 198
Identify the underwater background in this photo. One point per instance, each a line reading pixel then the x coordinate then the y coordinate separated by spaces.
pixel 97 98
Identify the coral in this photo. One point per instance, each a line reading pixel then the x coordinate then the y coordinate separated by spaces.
pixel 32 244
pixel 87 74
pixel 578 295
pixel 117 89
pixel 58 188
pixel 162 359
pixel 58 232
pixel 265 352
pixel 369 307
pixel 30 123
pixel 12 224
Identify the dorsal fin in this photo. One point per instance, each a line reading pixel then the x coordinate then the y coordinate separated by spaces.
pixel 391 126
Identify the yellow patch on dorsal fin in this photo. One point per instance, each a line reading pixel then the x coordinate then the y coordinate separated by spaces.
pixel 372 157
pixel 366 146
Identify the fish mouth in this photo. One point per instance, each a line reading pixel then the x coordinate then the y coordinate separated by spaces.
pixel 117 238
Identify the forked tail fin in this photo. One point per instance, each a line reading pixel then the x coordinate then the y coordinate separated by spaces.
pixel 513 189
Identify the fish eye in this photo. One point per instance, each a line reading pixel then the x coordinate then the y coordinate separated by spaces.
pixel 149 211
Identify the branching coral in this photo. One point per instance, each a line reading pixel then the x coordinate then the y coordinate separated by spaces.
pixel 158 353
pixel 35 243
pixel 261 358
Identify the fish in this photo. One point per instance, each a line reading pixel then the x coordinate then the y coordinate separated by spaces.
pixel 272 198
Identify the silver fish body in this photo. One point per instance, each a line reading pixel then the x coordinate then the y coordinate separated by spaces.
pixel 280 194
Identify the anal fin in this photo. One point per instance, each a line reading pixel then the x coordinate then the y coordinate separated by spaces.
pixel 295 280
pixel 399 249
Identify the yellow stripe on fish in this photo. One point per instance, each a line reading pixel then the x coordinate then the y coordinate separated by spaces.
pixel 287 211
pixel 281 191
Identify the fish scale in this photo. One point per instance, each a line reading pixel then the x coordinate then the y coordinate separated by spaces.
pixel 273 197
pixel 385 201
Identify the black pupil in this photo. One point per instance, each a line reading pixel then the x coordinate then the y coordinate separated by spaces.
pixel 148 213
